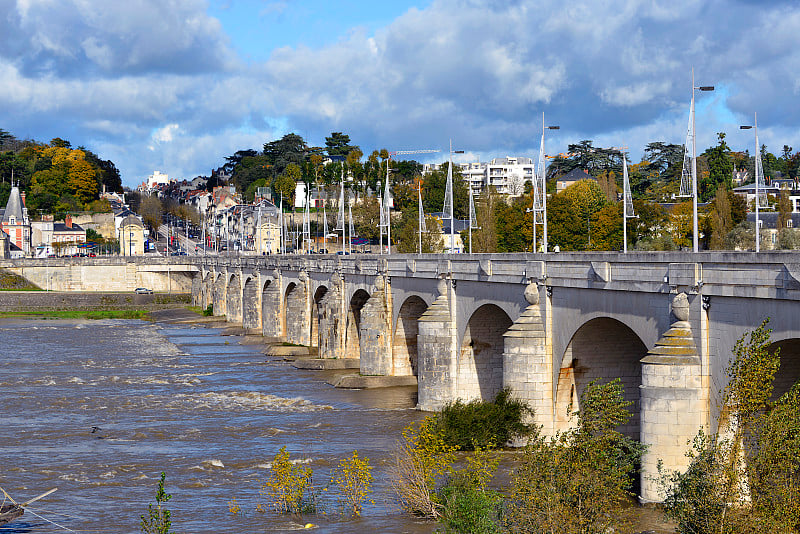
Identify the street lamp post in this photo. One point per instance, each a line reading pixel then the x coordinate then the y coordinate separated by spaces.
pixel 543 185
pixel 695 244
pixel 757 158
pixel 449 198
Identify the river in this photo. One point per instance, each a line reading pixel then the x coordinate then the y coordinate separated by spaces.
pixel 100 408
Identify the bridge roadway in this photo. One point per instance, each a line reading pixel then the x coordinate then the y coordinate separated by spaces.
pixel 544 325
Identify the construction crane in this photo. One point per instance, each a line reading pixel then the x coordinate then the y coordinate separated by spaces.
pixel 385 211
pixel 405 152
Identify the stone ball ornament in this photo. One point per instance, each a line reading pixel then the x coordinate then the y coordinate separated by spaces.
pixel 680 307
pixel 532 293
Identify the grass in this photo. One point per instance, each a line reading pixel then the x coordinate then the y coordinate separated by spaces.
pixel 27 288
pixel 80 314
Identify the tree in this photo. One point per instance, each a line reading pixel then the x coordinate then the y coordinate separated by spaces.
pixel 608 184
pixel 578 481
pixel 513 225
pixel 291 148
pixel 406 238
pixel 366 217
pixel 607 228
pixel 152 211
pixel 158 519
pixel 584 155
pixel 785 234
pixel 82 181
pixel 570 214
pixel 434 187
pixel 721 219
pixel 720 169
pixel 484 239
pixel 338 144
pixel 681 225
pixel 745 478
pixel 285 185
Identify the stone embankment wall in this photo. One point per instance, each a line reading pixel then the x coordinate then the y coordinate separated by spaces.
pixel 20 301
pixel 107 273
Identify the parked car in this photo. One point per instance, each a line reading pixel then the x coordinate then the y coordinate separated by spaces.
pixel 143 291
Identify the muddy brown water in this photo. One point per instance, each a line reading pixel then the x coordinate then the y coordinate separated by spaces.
pixel 100 408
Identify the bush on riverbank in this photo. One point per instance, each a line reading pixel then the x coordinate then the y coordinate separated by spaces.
pixel 484 424
pixel 578 481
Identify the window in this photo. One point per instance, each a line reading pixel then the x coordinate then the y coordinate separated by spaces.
pixel 789 224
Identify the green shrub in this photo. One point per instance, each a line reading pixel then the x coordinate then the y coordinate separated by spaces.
pixel 209 311
pixel 484 424
pixel 578 481
pixel 469 508
pixel 158 519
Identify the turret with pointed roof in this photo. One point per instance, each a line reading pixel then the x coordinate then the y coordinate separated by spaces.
pixel 16 224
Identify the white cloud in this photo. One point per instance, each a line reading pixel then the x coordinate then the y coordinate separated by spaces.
pixel 127 76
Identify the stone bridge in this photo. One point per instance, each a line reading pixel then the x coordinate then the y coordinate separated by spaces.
pixel 543 325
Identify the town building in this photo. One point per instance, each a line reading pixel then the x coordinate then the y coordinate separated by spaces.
pixel 269 235
pixel 768 222
pixel 573 176
pixel 507 175
pixel 51 238
pixel 130 234
pixel 16 224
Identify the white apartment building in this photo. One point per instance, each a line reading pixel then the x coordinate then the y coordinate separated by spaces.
pixel 156 179
pixel 507 175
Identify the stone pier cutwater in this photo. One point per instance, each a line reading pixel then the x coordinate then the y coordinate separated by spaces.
pixel 544 325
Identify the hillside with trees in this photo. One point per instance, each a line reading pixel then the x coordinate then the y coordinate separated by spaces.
pixel 57 178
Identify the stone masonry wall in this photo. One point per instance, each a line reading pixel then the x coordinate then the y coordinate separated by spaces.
pixel 17 301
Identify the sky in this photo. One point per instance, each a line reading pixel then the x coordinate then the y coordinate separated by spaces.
pixel 178 85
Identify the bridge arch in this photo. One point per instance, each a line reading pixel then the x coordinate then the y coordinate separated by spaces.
pixel 233 302
pixel 251 304
pixel 789 372
pixel 288 293
pixel 480 356
pixel 319 294
pixel 404 340
pixel 353 329
pixel 602 348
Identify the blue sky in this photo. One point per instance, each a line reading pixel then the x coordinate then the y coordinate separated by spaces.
pixel 256 27
pixel 177 86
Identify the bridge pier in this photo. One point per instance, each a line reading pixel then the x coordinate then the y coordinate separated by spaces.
pixel 220 298
pixel 271 306
pixel 251 303
pixel 233 299
pixel 375 332
pixel 674 404
pixel 436 345
pixel 332 319
pixel 528 362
